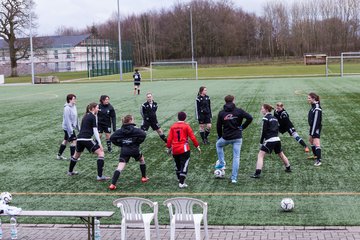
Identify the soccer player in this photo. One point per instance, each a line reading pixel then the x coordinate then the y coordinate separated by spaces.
pixel 269 140
pixel 315 119
pixel 106 119
pixel 137 81
pixel 178 144
pixel 286 125
pixel 148 112
pixel 87 131
pixel 203 113
pixel 129 138
pixel 229 129
pixel 69 124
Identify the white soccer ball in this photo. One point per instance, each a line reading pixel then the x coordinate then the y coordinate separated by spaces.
pixel 287 204
pixel 6 197
pixel 219 173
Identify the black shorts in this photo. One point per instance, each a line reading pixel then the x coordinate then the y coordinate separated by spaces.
pixel 182 157
pixel 291 131
pixel 102 128
pixel 90 145
pixel 316 133
pixel 153 124
pixel 126 157
pixel 136 84
pixel 69 139
pixel 270 146
pixel 204 119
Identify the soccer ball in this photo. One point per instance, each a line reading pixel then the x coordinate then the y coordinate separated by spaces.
pixel 219 173
pixel 287 204
pixel 6 197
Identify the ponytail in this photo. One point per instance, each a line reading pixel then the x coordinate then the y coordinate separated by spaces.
pixel 268 107
pixel 314 96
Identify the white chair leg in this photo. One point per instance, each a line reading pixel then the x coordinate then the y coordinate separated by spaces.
pixel 172 231
pixel 157 229
pixel 197 231
pixel 147 231
pixel 123 231
pixel 206 231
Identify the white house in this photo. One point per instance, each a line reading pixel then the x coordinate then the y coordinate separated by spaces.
pixel 63 53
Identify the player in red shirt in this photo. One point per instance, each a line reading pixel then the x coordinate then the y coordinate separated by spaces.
pixel 178 143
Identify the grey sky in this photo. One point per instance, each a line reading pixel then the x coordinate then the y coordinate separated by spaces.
pixel 81 13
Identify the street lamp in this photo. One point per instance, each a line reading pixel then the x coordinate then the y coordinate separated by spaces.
pixel 120 57
pixel 31 51
pixel 192 39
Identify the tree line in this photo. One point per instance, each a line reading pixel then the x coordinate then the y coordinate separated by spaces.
pixel 221 30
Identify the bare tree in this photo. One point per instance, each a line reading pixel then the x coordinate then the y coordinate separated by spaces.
pixel 14 20
pixel 67 31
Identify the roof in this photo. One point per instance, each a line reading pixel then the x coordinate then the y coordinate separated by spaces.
pixel 57 41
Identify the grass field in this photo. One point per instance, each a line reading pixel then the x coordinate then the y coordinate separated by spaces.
pixel 204 72
pixel 328 195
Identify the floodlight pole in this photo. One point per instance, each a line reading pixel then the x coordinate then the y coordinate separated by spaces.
pixel 119 29
pixel 192 38
pixel 31 52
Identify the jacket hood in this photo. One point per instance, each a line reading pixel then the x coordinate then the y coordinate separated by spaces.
pixel 128 128
pixel 229 107
pixel 69 105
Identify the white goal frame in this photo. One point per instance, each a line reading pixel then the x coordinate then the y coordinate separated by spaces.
pixel 345 55
pixel 193 63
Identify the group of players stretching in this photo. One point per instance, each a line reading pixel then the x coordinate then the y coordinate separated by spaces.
pixel 101 118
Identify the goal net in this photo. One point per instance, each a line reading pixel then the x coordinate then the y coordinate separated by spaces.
pixel 174 70
pixel 333 66
pixel 350 63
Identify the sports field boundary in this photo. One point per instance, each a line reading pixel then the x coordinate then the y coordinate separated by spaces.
pixel 240 194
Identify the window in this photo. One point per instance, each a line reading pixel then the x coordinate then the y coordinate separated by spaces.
pixel 56 54
pixel 68 53
pixel 68 66
pixel 56 67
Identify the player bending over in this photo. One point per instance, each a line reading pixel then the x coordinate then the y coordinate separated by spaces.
pixel 286 125
pixel 129 138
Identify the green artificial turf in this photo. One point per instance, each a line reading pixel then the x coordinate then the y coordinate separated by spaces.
pixel 327 195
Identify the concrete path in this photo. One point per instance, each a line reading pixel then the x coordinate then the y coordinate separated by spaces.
pixel 112 232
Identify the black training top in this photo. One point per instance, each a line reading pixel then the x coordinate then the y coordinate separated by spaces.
pixel 107 116
pixel 88 122
pixel 284 120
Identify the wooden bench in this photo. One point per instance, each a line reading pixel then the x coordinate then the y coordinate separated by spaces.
pixel 87 216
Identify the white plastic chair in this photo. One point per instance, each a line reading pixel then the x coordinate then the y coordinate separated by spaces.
pixel 181 213
pixel 131 212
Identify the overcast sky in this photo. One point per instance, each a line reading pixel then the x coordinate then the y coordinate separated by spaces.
pixel 81 13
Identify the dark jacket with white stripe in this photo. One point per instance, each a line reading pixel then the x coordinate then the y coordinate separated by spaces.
pixel 148 111
pixel 202 106
pixel 270 129
pixel 284 120
pixel 315 117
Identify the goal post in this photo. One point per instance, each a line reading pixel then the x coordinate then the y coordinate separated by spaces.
pixel 350 63
pixel 176 70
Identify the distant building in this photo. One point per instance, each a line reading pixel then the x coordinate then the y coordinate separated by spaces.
pixel 68 54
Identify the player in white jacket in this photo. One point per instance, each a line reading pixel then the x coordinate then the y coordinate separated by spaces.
pixel 69 124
